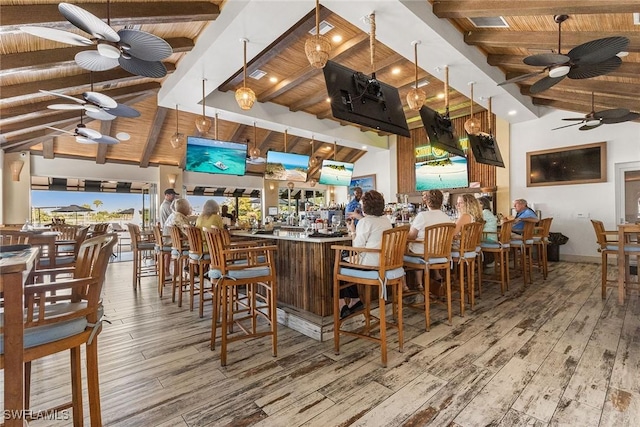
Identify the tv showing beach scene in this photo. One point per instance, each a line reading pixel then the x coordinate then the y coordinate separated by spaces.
pixel 336 173
pixel 449 172
pixel 217 157
pixel 286 166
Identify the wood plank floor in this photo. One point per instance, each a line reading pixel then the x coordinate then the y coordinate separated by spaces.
pixel 553 353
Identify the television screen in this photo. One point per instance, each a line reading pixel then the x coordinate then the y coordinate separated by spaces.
pixel 449 172
pixel 440 131
pixel 336 173
pixel 485 149
pixel 286 166
pixel 364 100
pixel 213 156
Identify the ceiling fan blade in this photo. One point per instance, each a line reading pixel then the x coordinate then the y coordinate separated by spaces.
pixel 100 115
pixel 566 126
pixel 91 60
pixel 546 59
pixel 580 119
pixel 123 111
pixel 60 130
pixel 65 107
pixel 88 22
pixel 85 140
pixel 521 78
pixel 145 46
pixel 586 71
pixel 545 83
pixel 62 95
pixel 100 99
pixel 626 118
pixel 88 133
pixel 611 114
pixel 589 127
pixel 106 139
pixel 598 50
pixel 139 67
pixel 57 35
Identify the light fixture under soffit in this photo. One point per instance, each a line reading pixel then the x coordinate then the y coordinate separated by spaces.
pixel 16 168
pixel 203 123
pixel 254 152
pixel 416 96
pixel 313 161
pixel 177 139
pixel 317 47
pixel 245 97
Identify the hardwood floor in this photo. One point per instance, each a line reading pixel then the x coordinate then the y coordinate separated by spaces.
pixel 553 354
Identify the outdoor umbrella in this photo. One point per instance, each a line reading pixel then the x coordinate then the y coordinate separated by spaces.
pixel 73 209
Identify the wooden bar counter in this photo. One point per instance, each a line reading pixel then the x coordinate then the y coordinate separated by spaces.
pixel 304 267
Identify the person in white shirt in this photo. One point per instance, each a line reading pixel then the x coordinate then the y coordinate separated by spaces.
pixel 434 215
pixel 368 234
pixel 165 207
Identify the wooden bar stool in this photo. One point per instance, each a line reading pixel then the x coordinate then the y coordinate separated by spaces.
pixel 141 250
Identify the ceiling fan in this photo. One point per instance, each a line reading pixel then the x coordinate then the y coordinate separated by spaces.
pixel 605 117
pixel 138 52
pixel 97 105
pixel 590 59
pixel 84 135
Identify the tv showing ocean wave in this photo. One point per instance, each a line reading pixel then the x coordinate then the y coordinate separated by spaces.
pixel 450 172
pixel 336 173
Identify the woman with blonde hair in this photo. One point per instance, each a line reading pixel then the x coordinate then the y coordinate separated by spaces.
pixel 469 211
pixel 210 217
pixel 179 217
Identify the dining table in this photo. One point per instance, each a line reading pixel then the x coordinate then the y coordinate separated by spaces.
pixel 15 269
pixel 628 241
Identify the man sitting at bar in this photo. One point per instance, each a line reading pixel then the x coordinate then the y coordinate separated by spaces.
pixel 523 211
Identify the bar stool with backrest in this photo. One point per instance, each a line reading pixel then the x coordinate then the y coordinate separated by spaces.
pixel 540 243
pixel 64 315
pixel 199 262
pixel 522 245
pixel 141 250
pixel 465 256
pixel 436 256
pixel 389 272
pixel 180 258
pixel 162 248
pixel 251 267
pixel 499 246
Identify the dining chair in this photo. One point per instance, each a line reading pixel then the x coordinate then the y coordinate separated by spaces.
pixel 142 250
pixel 249 266
pixel 522 245
pixel 199 262
pixel 436 256
pixel 389 272
pixel 499 244
pixel 540 244
pixel 64 315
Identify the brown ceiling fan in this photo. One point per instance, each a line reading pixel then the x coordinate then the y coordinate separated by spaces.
pixel 590 59
pixel 605 117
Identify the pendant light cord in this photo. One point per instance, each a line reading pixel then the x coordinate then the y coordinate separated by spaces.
pixel 372 43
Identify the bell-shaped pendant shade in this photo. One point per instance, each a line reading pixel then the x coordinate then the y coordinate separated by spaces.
pixel 245 97
pixel 317 47
pixel 177 139
pixel 203 123
pixel 472 125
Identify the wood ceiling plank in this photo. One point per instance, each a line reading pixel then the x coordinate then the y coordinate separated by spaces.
pixel 101 154
pixel 152 137
pixel 120 14
pixel 481 8
pixel 544 39
pixel 237 132
pixel 581 102
pixel 40 121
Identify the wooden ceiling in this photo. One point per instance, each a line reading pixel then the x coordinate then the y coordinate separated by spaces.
pixel 29 64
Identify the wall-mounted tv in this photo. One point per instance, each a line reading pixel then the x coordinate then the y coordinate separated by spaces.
pixel 448 172
pixel 364 100
pixel 336 173
pixel 213 156
pixel 286 166
pixel 440 131
pixel 485 149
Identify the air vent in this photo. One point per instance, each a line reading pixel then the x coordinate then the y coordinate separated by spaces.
pixel 636 18
pixel 325 27
pixel 489 22
pixel 258 74
pixel 423 82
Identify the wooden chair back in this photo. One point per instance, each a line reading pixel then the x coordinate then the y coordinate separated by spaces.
pixel 99 229
pixel 504 236
pixel 177 243
pixel 543 229
pixel 394 243
pixel 14 237
pixel 194 237
pixel 438 239
pixel 601 234
pixel 470 236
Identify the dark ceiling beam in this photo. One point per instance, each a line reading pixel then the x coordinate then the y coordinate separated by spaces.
pixel 579 109
pixel 152 137
pixel 117 93
pixel 80 82
pixel 581 102
pixel 236 132
pixel 35 60
pixel 544 39
pixel 120 14
pixel 453 9
pixel 49 118
pixel 101 154
pixel 48 151
pixel 298 30
pixel 264 141
pixel 596 86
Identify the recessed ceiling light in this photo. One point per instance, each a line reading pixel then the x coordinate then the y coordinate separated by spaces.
pixel 512 112
pixel 328 100
pixel 441 96
pixel 396 70
pixel 273 79
pixel 337 38
pixel 327 148
pixel 364 147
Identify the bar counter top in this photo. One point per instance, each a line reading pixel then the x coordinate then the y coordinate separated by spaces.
pixel 290 235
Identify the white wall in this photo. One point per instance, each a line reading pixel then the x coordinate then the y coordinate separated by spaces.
pixel 564 202
pixel 384 165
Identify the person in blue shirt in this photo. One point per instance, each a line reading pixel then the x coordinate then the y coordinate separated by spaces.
pixel 353 210
pixel 523 211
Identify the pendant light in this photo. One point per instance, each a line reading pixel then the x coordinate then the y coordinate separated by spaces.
pixel 245 97
pixel 177 139
pixel 254 152
pixel 317 47
pixel 472 125
pixel 416 96
pixel 203 123
pixel 313 162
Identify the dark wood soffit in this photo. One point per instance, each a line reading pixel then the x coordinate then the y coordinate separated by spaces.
pixel 482 8
pixel 152 138
pixel 120 13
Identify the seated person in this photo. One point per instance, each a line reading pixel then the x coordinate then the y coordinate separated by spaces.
pixel 469 211
pixel 523 211
pixel 179 217
pixel 490 227
pixel 209 218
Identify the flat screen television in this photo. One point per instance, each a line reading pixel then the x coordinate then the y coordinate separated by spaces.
pixel 364 100
pixel 447 172
pixel 286 166
pixel 440 131
pixel 336 173
pixel 485 149
pixel 214 156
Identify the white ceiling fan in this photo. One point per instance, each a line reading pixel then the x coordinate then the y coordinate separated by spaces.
pixel 85 135
pixel 97 105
